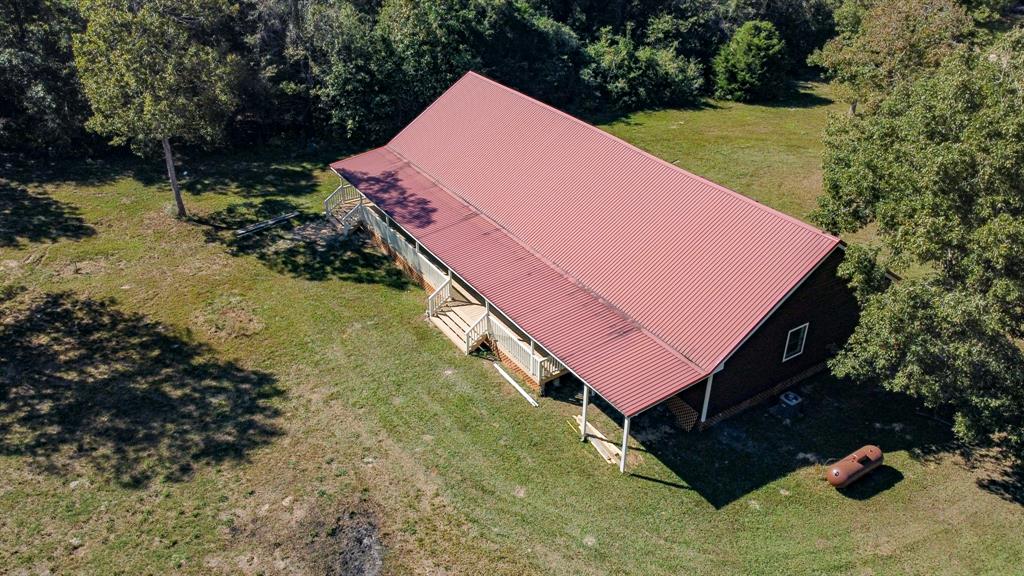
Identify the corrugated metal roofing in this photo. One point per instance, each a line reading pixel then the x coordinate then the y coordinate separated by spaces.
pixel 589 242
pixel 590 337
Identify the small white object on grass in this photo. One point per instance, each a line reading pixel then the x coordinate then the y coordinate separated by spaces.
pixel 515 385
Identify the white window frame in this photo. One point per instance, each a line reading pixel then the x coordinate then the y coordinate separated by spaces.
pixel 803 341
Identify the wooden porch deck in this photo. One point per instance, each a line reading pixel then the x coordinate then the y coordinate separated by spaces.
pixel 456 318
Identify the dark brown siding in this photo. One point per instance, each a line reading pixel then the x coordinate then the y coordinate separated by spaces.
pixel 825 302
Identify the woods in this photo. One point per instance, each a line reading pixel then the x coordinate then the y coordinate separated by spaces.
pixel 335 70
pixel 936 162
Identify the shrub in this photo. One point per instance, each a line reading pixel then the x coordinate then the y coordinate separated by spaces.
pixel 752 65
pixel 633 77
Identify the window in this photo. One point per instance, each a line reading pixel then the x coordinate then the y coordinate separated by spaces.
pixel 795 342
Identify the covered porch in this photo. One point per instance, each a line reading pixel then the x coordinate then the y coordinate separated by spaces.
pixel 453 305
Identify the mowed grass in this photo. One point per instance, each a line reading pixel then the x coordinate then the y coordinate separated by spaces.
pixel 769 153
pixel 176 400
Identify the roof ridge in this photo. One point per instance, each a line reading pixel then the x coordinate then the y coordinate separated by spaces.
pixel 767 209
pixel 553 265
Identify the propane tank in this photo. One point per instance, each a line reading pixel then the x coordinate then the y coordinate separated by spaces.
pixel 855 466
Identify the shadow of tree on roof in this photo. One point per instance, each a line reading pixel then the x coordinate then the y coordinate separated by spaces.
pixel 393 196
pixel 746 452
pixel 83 383
pixel 27 216
pixel 305 246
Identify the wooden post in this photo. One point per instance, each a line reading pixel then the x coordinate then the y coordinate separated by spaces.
pixel 625 445
pixel 586 401
pixel 707 398
pixel 534 365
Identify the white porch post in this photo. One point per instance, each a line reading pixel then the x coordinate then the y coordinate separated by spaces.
pixel 534 365
pixel 586 401
pixel 707 398
pixel 625 445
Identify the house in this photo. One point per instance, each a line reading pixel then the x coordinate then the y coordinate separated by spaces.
pixel 572 251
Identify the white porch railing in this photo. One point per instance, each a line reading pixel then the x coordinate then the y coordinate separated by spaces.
pixel 477 332
pixel 432 274
pixel 551 368
pixel 341 197
pixel 538 366
pixel 511 345
pixel 438 297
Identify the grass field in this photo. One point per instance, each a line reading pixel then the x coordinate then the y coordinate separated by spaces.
pixel 178 401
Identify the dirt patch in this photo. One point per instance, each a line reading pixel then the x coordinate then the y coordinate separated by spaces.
pixel 307 537
pixel 228 316
pixel 343 544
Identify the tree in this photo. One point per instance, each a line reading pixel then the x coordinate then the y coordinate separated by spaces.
pixel 152 73
pixel 881 43
pixel 633 77
pixel 804 25
pixel 41 104
pixel 375 73
pixel 939 167
pixel 751 65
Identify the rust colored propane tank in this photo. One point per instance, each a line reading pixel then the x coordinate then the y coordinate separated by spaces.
pixel 853 467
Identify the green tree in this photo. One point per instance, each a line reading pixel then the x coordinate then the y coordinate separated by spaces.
pixel 752 65
pixel 375 72
pixel 633 76
pixel 881 43
pixel 939 168
pixel 152 73
pixel 804 25
pixel 41 104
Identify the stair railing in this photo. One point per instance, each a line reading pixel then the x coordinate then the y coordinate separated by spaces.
pixel 339 196
pixel 439 297
pixel 478 330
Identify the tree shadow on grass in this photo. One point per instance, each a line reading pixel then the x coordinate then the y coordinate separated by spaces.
pixel 306 246
pixel 82 382
pixel 85 172
pixel 27 216
pixel 248 178
pixel 1001 473
pixel 798 95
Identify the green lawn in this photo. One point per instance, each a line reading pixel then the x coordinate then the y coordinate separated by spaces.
pixel 176 400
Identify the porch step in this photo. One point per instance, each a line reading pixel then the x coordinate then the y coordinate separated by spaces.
pixel 455 318
pixel 447 327
pixel 457 322
pixel 685 416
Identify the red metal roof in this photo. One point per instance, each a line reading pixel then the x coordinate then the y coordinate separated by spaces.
pixel 640 276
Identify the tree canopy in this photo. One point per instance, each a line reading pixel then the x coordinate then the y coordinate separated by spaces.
pixel 880 43
pixel 330 70
pixel 151 77
pixel 41 106
pixel 939 167
pixel 752 65
pixel 149 74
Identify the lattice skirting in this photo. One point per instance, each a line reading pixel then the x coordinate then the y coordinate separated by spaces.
pixel 684 414
pixel 761 397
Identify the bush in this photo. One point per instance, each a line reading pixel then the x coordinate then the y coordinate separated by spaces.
pixel 633 77
pixel 752 65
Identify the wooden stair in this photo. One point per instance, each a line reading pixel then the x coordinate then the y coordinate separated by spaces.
pixel 455 323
